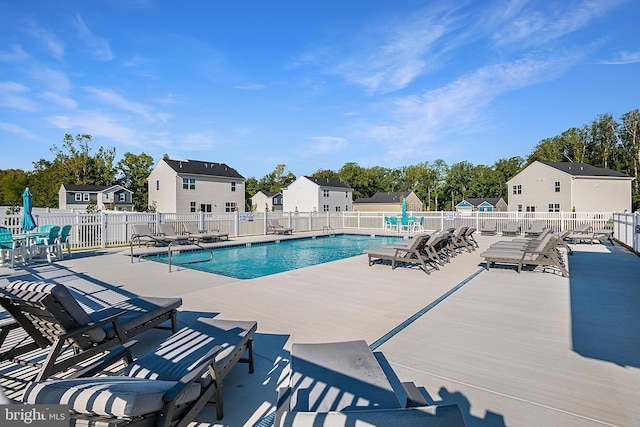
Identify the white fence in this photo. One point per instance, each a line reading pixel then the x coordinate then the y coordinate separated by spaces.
pixel 111 229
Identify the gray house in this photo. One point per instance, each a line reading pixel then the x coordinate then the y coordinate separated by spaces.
pixel 388 201
pixel 106 197
pixel 267 201
pixel 569 186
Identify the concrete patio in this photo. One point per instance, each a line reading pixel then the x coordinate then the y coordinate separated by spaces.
pixel 529 349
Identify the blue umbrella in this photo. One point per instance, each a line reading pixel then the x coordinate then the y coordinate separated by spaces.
pixel 404 207
pixel 28 223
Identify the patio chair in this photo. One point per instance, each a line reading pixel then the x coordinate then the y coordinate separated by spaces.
pixel 537 227
pixel 417 226
pixel 194 233
pixel 168 386
pixel 63 240
pixel 405 224
pixel 343 384
pixel 54 320
pixel 275 227
pixel 168 233
pixel 393 224
pixel 586 234
pixel 409 254
pixel 471 241
pixel 47 246
pixel 512 228
pixel 11 247
pixel 141 233
pixel 544 254
pixel 458 239
pixel 489 228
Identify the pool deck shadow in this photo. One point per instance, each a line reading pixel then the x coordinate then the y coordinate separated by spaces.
pixel 510 349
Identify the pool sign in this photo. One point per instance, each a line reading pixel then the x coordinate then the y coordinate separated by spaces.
pixel 244 217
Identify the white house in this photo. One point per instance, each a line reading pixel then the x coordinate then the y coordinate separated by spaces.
pixel 266 201
pixel 106 197
pixel 310 194
pixel 482 204
pixel 184 186
pixel 568 186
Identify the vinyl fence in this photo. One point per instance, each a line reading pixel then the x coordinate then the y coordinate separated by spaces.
pixel 113 229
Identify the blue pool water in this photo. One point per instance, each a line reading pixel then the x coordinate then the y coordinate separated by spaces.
pixel 258 260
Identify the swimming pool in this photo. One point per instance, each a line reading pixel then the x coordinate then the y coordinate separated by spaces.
pixel 263 259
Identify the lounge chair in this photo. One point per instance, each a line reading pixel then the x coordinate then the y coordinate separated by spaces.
pixel 585 233
pixel 141 233
pixel 166 387
pixel 11 247
pixel 409 254
pixel 544 254
pixel 471 241
pixel 191 228
pixel 53 319
pixel 458 239
pixel 537 227
pixel 275 227
pixel 512 228
pixel 343 384
pixel 169 234
pixel 489 228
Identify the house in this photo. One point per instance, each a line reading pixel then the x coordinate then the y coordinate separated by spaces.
pixel 390 201
pixel 482 204
pixel 184 186
pixel 569 186
pixel 266 201
pixel 106 197
pixel 310 194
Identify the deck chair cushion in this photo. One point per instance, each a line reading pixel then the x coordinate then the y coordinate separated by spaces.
pixel 186 348
pixel 111 396
pixel 36 291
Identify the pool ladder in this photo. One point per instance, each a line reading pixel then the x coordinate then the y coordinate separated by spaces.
pixel 330 231
pixel 162 242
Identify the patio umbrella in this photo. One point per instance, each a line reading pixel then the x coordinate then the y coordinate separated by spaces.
pixel 28 223
pixel 404 207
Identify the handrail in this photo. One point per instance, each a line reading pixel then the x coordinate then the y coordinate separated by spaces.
pixel 163 242
pixel 330 231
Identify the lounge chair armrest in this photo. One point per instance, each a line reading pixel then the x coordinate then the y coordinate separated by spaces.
pixel 188 379
pixel 121 352
pixel 93 325
pixel 414 397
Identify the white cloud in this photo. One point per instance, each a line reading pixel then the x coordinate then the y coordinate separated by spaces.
pixel 49 40
pixel 624 57
pixel 113 98
pixel 57 100
pixel 14 95
pixel 327 144
pixel 11 128
pixel 98 46
pixel 250 86
pixel 97 125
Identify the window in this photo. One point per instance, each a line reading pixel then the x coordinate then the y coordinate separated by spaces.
pixel 325 208
pixel 233 186
pixel 188 183
pixel 123 197
pixel 230 207
pixel 517 189
pixel 325 193
pixel 78 197
pixel 205 207
pixel 337 208
pixel 85 197
pixel 557 186
pixel 192 207
pixel 554 207
pixel 519 208
pixel 530 208
pixel 346 194
pixel 157 185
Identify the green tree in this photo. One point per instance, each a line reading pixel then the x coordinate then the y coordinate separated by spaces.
pixel 275 181
pixel 79 166
pixel 132 172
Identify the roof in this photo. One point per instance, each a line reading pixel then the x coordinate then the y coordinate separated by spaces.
pixel 268 193
pixel 96 188
pixel 493 201
pixel 388 197
pixel 326 182
pixel 197 167
pixel 583 169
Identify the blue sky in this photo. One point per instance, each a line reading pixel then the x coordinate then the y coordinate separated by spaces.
pixel 312 85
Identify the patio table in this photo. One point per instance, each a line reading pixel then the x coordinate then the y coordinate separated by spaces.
pixel 28 241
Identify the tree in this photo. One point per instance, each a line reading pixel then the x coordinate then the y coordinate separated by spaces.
pixel 277 179
pixel 77 164
pixel 132 172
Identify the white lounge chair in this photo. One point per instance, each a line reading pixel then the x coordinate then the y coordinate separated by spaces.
pixel 191 228
pixel 275 227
